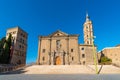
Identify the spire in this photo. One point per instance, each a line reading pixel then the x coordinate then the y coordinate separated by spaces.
pixel 87 17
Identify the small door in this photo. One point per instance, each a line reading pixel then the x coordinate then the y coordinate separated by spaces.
pixel 58 60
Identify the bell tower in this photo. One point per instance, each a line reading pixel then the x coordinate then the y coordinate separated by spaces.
pixel 88 31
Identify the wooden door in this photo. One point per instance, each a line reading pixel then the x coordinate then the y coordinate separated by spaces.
pixel 58 60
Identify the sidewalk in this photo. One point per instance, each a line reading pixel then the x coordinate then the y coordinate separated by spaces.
pixel 71 69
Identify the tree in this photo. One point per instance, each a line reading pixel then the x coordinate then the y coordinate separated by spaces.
pixel 105 60
pixel 2 42
pixel 7 48
pixel 5 57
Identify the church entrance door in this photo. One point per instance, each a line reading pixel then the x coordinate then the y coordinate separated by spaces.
pixel 58 60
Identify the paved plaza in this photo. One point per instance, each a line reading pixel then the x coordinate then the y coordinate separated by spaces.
pixel 61 72
pixel 70 69
pixel 66 69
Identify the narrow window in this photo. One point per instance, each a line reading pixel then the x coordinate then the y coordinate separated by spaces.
pixel 14 32
pixel 43 51
pixel 83 62
pixel 23 41
pixel 83 55
pixel 86 27
pixel 19 46
pixel 23 35
pixel 72 58
pixel 87 42
pixel 23 47
pixel 71 50
pixel 43 58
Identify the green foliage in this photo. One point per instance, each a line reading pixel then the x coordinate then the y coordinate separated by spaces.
pixel 5 47
pixel 2 42
pixel 105 60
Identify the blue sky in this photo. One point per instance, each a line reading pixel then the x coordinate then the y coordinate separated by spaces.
pixel 42 17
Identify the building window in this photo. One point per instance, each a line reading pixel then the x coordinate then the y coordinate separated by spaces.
pixel 87 42
pixel 72 58
pixel 21 40
pixel 22 55
pixel 23 47
pixel 19 46
pixel 72 50
pixel 23 35
pixel 82 48
pixel 14 32
pixel 43 51
pixel 87 27
pixel 83 62
pixel 83 55
pixel 43 58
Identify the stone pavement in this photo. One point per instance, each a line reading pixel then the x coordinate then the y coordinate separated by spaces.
pixel 106 69
pixel 70 69
pixel 66 69
pixel 58 69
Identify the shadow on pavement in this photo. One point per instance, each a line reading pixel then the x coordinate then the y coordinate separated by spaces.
pixel 100 69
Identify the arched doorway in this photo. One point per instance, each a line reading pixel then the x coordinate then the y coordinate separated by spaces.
pixel 58 60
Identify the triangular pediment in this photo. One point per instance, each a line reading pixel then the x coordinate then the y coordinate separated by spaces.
pixel 58 33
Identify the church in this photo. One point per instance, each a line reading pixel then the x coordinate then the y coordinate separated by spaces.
pixel 60 48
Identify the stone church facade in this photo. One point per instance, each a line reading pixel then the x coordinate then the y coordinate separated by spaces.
pixel 60 48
